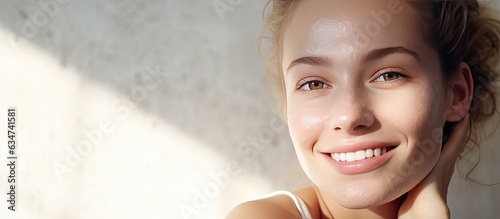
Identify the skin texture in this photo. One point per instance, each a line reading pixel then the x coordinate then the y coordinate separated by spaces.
pixel 426 200
pixel 349 84
pixel 356 104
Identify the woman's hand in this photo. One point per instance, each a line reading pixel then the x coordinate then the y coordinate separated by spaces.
pixel 428 198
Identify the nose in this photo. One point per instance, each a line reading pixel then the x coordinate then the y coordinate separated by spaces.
pixel 352 114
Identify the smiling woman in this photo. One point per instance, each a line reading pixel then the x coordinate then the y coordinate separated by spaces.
pixel 366 89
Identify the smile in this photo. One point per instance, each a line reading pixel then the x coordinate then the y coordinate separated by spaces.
pixel 361 154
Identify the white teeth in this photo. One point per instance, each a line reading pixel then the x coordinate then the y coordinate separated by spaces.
pixel 358 155
pixel 369 153
pixel 342 157
pixel 336 156
pixel 350 156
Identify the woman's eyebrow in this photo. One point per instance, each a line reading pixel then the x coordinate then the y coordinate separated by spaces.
pixel 369 57
pixel 381 53
pixel 311 60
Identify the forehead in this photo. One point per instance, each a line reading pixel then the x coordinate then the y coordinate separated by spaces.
pixel 339 27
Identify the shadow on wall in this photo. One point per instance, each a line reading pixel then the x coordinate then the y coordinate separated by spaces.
pixel 191 65
pixel 203 57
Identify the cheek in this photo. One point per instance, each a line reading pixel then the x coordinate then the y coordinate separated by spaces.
pixel 306 120
pixel 412 112
pixel 418 118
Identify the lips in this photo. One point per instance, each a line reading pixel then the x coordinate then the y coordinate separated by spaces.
pixel 361 154
pixel 361 157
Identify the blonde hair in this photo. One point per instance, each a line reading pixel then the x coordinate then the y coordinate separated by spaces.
pixel 459 31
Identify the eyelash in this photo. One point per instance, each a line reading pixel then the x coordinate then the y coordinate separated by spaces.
pixel 388 72
pixel 308 82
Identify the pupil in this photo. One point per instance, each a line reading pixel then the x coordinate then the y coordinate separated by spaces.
pixel 390 76
pixel 316 85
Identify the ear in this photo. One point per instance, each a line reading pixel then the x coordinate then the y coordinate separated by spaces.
pixel 462 91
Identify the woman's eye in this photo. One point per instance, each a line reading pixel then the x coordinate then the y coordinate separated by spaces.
pixel 313 85
pixel 390 76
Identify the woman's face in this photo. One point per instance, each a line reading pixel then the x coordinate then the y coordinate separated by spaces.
pixel 365 98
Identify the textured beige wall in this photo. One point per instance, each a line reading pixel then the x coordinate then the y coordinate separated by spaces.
pixel 135 109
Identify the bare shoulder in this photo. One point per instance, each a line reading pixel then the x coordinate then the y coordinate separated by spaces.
pixel 275 207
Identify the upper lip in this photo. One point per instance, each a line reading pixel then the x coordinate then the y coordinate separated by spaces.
pixel 358 146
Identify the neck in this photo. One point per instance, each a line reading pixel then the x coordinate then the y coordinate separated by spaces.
pixel 331 209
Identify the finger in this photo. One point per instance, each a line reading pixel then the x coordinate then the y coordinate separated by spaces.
pixel 456 142
pixel 444 168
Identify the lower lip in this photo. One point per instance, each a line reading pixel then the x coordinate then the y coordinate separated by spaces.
pixel 360 166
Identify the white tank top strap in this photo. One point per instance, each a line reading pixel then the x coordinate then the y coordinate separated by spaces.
pixel 299 203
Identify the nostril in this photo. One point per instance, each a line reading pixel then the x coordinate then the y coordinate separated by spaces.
pixel 353 120
pixel 359 127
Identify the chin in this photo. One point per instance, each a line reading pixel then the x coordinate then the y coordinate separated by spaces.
pixel 361 202
pixel 361 196
pixel 367 200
